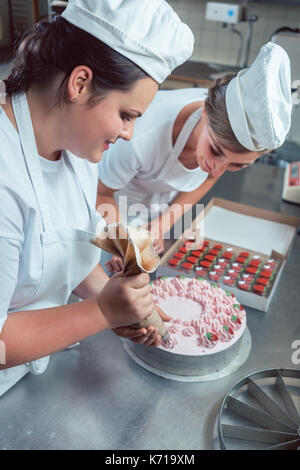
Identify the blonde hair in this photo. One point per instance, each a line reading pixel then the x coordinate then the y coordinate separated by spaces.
pixel 215 106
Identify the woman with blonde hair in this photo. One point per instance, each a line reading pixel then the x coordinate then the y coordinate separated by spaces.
pixel 188 138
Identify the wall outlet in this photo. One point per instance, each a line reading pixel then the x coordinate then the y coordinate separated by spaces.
pixel 224 12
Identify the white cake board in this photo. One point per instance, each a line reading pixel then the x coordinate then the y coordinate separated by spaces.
pixel 232 367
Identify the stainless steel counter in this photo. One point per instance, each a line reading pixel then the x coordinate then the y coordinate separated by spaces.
pixel 96 397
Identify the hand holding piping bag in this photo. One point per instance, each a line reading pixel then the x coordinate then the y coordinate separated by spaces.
pixel 135 247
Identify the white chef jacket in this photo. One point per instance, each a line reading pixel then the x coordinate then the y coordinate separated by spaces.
pixel 128 166
pixel 20 222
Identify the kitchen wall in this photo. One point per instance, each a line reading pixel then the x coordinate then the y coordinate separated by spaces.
pixel 216 44
pixel 4 18
pixel 23 15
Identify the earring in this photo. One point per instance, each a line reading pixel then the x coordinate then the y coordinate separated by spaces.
pixel 75 100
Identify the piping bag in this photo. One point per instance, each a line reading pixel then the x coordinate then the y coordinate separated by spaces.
pixel 135 247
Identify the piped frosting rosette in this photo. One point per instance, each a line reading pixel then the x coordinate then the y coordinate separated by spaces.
pixel 220 318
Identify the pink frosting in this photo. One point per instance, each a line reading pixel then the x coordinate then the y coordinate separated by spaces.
pixel 205 342
pixel 188 331
pixel 178 284
pixel 221 314
pixel 173 329
pixel 225 334
pixel 169 343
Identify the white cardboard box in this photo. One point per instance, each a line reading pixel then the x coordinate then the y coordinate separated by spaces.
pixel 256 230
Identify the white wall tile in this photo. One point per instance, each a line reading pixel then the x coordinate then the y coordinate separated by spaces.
pixel 213 43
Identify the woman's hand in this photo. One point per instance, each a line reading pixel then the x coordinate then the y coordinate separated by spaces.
pixel 147 336
pixel 159 245
pixel 115 264
pixel 156 235
pixel 126 300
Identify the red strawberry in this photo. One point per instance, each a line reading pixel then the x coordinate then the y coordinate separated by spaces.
pixel 212 337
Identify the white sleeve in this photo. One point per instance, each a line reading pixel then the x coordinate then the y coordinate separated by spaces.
pixel 10 251
pixel 12 218
pixel 119 165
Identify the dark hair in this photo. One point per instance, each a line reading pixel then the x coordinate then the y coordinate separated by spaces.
pixel 59 46
pixel 215 106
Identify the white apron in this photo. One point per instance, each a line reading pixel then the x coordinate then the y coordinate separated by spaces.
pixel 173 177
pixel 68 255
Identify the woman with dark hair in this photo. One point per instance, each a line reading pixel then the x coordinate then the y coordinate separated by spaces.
pixel 77 84
pixel 188 138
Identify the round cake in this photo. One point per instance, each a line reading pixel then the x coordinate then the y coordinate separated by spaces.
pixel 206 329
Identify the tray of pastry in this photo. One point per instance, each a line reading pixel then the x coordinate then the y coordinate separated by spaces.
pixel 228 265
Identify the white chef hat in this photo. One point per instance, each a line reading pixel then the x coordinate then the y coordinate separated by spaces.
pixel 259 100
pixel 148 32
